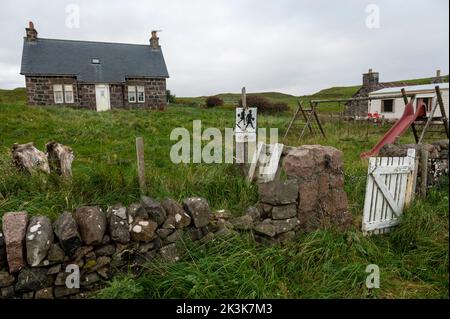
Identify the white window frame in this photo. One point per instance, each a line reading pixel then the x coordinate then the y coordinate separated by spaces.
pixel 68 94
pixel 132 94
pixel 140 89
pixel 58 88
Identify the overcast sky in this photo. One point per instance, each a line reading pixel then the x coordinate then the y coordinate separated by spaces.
pixel 210 47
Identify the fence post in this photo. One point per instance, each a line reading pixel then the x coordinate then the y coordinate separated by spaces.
pixel 423 172
pixel 141 164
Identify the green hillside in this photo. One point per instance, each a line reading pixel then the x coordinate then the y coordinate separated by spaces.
pixel 340 92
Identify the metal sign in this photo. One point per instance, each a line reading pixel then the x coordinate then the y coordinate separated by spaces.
pixel 246 124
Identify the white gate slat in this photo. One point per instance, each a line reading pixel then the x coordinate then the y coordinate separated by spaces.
pixel 389 182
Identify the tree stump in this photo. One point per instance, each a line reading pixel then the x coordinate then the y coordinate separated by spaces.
pixel 60 158
pixel 29 158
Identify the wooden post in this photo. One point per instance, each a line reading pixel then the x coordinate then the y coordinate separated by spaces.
pixel 244 105
pixel 141 164
pixel 423 172
pixel 441 106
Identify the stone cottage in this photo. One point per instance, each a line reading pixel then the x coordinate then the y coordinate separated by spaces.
pixel 93 75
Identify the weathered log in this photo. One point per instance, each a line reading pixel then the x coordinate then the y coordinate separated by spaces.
pixel 29 158
pixel 60 158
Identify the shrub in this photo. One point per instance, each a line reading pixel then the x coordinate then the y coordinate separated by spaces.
pixel 264 105
pixel 213 101
pixel 171 98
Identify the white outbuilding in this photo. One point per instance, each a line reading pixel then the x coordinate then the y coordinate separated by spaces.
pixel 392 108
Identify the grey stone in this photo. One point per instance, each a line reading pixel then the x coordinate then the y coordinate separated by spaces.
pixel 28 295
pixel 164 232
pixel 143 230
pixel 284 212
pixel 195 234
pixel 63 291
pixel 7 292
pixel 89 279
pixel 39 238
pixel 54 270
pixel 154 210
pixel 107 250
pixel 105 273
pixel 99 263
pixel 146 247
pixel 285 225
pixel 106 240
pixel 92 223
pixel 14 230
pixel 265 228
pixel 253 212
pixel 175 236
pixel 56 253
pixel 81 252
pixel 66 230
pixel 176 216
pixel 135 210
pixel 279 192
pixel 6 279
pixel 286 237
pixel 170 253
pixel 199 210
pixel 60 279
pixel 244 222
pixel 118 224
pixel 32 279
pixel 46 293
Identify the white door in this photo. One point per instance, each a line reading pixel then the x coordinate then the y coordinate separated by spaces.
pixel 102 97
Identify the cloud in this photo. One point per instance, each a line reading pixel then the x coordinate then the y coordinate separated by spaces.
pixel 292 46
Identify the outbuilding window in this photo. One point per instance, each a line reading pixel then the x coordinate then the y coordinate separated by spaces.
pixel 387 106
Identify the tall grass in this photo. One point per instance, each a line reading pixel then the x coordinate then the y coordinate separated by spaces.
pixel 324 264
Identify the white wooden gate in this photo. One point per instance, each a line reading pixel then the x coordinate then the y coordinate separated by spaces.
pixel 390 187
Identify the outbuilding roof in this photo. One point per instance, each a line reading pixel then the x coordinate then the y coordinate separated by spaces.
pixel 92 62
pixel 411 88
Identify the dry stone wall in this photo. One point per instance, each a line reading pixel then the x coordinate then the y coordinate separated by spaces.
pixel 437 158
pixel 38 256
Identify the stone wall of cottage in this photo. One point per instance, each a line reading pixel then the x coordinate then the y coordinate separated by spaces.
pixel 155 93
pixel 40 89
pixel 40 92
pixel 86 96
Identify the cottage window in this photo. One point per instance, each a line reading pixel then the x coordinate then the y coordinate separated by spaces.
pixel 68 93
pixel 387 106
pixel 132 94
pixel 58 94
pixel 141 94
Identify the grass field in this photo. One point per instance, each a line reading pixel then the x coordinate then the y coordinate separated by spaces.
pixel 324 264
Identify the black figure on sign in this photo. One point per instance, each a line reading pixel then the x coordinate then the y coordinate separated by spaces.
pixel 241 118
pixel 249 119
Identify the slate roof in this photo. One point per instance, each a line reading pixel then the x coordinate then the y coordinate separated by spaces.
pixel 411 88
pixel 67 57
